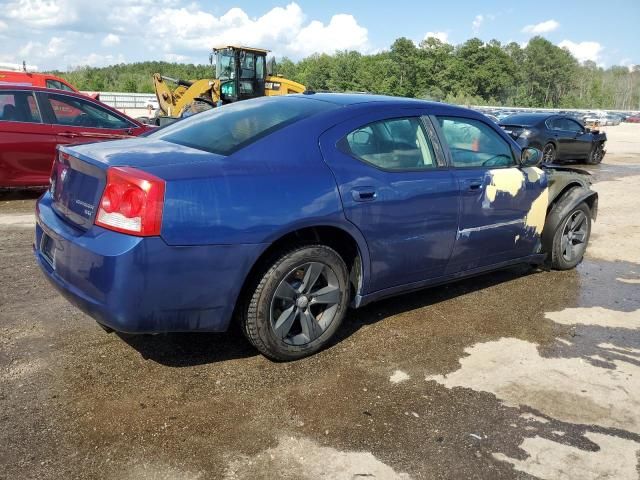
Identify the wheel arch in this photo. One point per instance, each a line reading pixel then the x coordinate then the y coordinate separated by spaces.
pixel 570 197
pixel 348 242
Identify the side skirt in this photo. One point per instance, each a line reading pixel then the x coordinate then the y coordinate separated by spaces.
pixel 362 300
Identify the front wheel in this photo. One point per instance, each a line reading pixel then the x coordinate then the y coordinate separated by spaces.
pixel 571 238
pixel 298 303
pixel 596 154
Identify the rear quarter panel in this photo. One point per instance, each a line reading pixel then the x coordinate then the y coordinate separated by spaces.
pixel 272 187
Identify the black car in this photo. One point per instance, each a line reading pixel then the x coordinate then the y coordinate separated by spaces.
pixel 560 137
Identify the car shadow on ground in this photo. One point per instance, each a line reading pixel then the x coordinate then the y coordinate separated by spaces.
pixel 192 349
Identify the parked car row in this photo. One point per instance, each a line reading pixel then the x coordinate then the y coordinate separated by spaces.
pixel 595 118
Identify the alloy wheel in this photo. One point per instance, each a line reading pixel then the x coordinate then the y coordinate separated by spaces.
pixel 574 236
pixel 548 154
pixel 305 303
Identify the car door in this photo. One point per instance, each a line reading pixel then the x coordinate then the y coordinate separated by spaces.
pixel 579 139
pixel 396 189
pixel 79 120
pixel 27 145
pixel 496 195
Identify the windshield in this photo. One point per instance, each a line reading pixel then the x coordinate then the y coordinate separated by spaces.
pixel 225 65
pixel 227 129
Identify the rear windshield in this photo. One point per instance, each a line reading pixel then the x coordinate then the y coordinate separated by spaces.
pixel 227 129
pixel 523 119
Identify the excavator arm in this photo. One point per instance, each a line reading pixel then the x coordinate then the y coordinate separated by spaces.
pixel 172 102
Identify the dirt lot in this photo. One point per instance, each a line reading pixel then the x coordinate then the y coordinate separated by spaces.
pixel 516 374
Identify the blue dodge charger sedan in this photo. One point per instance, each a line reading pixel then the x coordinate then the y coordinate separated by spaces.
pixel 280 213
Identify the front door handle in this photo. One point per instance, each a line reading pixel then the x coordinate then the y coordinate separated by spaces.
pixel 68 134
pixel 363 194
pixel 474 184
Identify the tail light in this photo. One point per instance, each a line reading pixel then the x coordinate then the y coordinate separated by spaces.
pixel 131 202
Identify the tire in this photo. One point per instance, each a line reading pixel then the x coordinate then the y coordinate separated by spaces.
pixel 571 238
pixel 549 153
pixel 288 315
pixel 596 154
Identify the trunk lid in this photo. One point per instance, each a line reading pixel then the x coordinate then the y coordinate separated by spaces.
pixel 513 130
pixel 79 172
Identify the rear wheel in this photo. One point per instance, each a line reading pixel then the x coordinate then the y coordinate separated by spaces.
pixel 548 153
pixel 571 238
pixel 596 154
pixel 298 303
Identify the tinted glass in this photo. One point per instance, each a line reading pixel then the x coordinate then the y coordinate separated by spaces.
pixel 393 144
pixel 54 84
pixel 474 144
pixel 570 125
pixel 19 107
pixel 229 128
pixel 75 112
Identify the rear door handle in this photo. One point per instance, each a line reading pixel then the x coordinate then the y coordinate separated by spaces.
pixel 363 194
pixel 68 134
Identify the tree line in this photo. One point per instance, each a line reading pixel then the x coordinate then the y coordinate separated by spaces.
pixel 539 75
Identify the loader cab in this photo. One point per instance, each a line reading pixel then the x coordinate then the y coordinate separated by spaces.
pixel 242 72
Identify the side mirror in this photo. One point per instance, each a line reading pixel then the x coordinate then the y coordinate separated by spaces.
pixel 530 157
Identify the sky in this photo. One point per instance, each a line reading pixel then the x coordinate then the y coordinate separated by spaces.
pixel 63 34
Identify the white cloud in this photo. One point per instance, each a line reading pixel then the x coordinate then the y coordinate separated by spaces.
pixel 184 30
pixel 39 13
pixel 176 57
pixel 442 36
pixel 110 40
pixel 55 47
pixel 481 19
pixel 477 23
pixel 282 29
pixel 341 33
pixel 583 51
pixel 542 27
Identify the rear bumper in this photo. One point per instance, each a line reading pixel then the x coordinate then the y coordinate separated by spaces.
pixel 142 285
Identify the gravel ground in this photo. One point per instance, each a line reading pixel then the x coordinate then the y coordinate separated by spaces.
pixel 515 374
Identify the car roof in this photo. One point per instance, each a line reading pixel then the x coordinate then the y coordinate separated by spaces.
pixel 366 99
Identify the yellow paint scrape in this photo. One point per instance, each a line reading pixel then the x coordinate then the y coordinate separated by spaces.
pixel 508 180
pixel 538 213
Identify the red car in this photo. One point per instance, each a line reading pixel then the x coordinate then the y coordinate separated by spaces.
pixel 633 119
pixel 34 120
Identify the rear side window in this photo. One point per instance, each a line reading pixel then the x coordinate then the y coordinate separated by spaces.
pixel 392 144
pixel 72 111
pixel 229 128
pixel 19 107
pixel 472 143
pixel 58 85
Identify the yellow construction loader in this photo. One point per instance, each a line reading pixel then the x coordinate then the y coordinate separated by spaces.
pixel 240 73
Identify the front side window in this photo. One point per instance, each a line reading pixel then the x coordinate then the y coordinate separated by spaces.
pixel 75 112
pixel 393 144
pixel 225 64
pixel 19 107
pixel 473 143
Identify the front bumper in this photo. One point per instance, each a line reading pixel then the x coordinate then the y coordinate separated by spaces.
pixel 142 285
